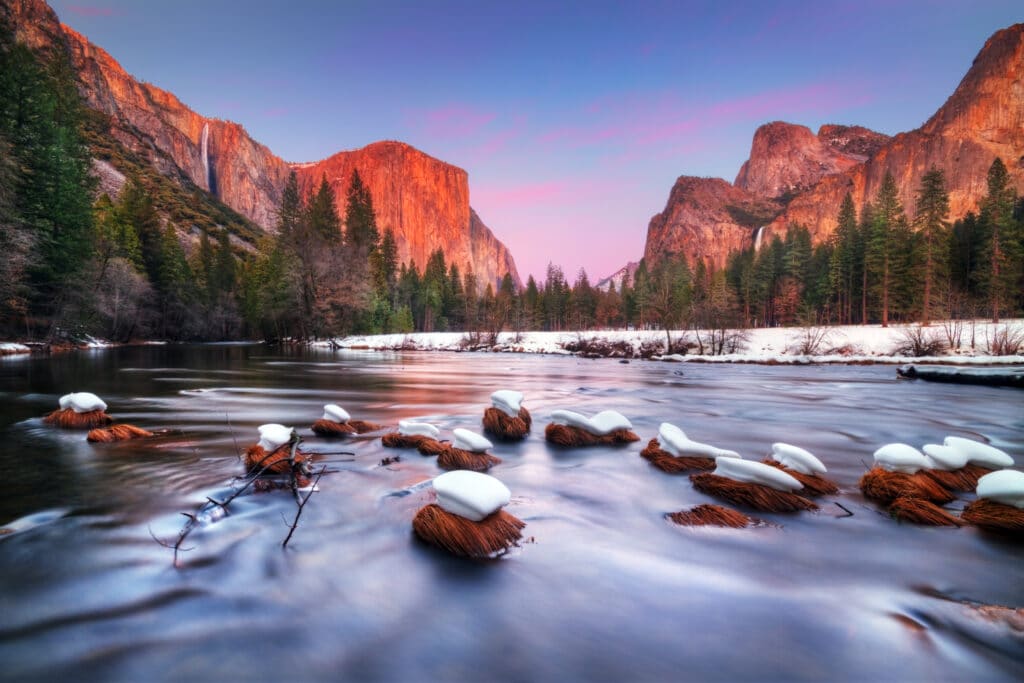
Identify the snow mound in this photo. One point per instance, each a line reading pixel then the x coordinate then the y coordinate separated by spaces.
pixel 273 436
pixel 605 422
pixel 335 413
pixel 797 459
pixel 409 428
pixel 1004 486
pixel 944 457
pixel 470 441
pixel 752 472
pixel 470 494
pixel 675 442
pixel 507 401
pixel 82 402
pixel 899 457
pixel 979 453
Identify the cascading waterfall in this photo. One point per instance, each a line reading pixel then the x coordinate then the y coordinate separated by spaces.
pixel 757 238
pixel 204 152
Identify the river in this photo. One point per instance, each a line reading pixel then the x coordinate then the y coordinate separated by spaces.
pixel 604 588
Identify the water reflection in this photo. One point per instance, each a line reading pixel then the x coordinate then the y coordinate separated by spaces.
pixel 607 588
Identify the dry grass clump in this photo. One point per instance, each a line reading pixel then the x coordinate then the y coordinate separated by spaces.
pixel 492 535
pixel 117 433
pixel 431 446
pixel 674 464
pixel 258 461
pixel 500 425
pixel 988 514
pixel 574 437
pixel 917 511
pixel 963 479
pixel 756 496
pixel 710 515
pixel 425 444
pixel 885 486
pixel 331 428
pixel 452 458
pixel 814 484
pixel 69 419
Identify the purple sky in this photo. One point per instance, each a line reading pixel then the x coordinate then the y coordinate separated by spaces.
pixel 573 119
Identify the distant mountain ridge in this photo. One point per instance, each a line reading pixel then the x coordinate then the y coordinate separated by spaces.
pixel 425 201
pixel 794 176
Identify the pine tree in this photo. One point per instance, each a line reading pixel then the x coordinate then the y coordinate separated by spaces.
pixel 322 214
pixel 1000 262
pixel 289 215
pixel 361 234
pixel 933 234
pixel 886 248
pixel 843 259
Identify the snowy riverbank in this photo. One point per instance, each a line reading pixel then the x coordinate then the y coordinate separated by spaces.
pixel 978 344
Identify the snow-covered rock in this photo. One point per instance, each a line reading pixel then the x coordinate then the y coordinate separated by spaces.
pixel 273 436
pixel 979 453
pixel 335 413
pixel 470 494
pixel 507 401
pixel 944 457
pixel 753 472
pixel 410 428
pixel 605 422
pixel 82 402
pixel 1004 486
pixel 797 459
pixel 675 442
pixel 470 441
pixel 899 457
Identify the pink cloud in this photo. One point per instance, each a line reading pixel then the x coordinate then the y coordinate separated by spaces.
pixel 452 120
pixel 90 11
pixel 509 196
pixel 276 112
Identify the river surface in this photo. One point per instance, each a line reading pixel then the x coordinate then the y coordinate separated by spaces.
pixel 604 588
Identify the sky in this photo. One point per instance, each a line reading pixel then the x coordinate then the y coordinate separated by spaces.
pixel 573 119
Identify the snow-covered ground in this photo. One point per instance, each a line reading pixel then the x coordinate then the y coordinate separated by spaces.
pixel 11 348
pixel 841 344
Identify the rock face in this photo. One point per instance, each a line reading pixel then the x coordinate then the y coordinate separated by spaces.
pixel 425 201
pixel 619 276
pixel 809 175
pixel 706 218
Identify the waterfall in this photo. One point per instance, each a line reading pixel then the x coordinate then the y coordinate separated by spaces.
pixel 204 152
pixel 757 238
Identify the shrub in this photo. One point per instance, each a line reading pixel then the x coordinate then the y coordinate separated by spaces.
pixel 917 342
pixel 1004 341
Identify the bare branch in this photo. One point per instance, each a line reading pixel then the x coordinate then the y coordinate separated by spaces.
pixel 302 504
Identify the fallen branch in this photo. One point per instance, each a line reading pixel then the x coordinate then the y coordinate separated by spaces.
pixel 302 505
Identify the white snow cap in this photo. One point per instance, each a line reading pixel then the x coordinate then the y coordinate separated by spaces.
pixel 409 428
pixel 675 441
pixel 470 441
pixel 273 436
pixel 605 422
pixel 1004 486
pixel 980 453
pixel 82 402
pixel 944 457
pixel 899 457
pixel 756 473
pixel 507 401
pixel 797 459
pixel 336 413
pixel 470 494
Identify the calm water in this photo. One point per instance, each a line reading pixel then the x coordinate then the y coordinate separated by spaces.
pixel 606 590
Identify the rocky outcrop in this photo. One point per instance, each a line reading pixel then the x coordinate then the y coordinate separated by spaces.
pixel 809 175
pixel 625 273
pixel 706 219
pixel 425 201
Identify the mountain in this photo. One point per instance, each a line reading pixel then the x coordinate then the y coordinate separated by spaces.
pixel 793 176
pixel 425 201
pixel 616 278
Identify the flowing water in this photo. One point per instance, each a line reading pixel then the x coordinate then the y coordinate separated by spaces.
pixel 604 588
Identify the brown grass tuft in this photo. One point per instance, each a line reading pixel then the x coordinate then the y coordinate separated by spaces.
pixel 754 496
pixel 362 426
pixel 710 515
pixel 69 419
pixel 117 433
pixel 963 479
pixel 988 514
pixel 452 458
pixel 674 464
pixel 885 486
pixel 500 425
pixel 917 511
pixel 430 446
pixel 257 460
pixel 425 444
pixel 492 535
pixel 331 428
pixel 574 437
pixel 814 485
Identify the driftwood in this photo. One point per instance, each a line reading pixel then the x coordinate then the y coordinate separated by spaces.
pixel 756 496
pixel 885 486
pixel 710 515
pixel 992 377
pixel 501 426
pixel 574 437
pixel 69 419
pixel 917 511
pixel 330 428
pixel 993 516
pixel 814 484
pixel 674 464
pixel 492 535
pixel 452 458
pixel 122 432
